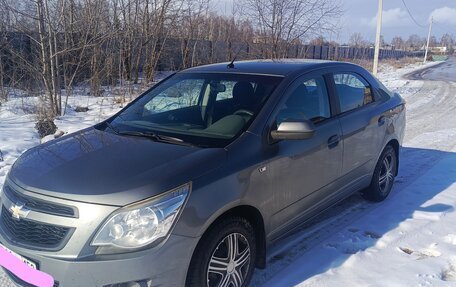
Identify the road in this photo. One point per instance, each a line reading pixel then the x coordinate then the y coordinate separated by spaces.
pixel 430 135
pixel 437 111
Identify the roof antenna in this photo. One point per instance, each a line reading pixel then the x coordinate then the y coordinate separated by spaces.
pixel 231 64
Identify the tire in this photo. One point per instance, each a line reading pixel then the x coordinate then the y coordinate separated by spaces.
pixel 383 177
pixel 234 269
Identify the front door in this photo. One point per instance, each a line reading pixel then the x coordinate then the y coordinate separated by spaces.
pixel 301 170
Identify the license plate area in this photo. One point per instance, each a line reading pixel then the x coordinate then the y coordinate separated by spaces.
pixel 30 263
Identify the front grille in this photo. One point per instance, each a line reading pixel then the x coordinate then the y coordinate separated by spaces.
pixel 32 234
pixel 39 205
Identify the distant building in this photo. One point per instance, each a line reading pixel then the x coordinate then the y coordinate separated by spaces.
pixel 438 50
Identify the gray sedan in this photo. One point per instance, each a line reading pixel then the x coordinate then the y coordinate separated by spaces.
pixel 192 182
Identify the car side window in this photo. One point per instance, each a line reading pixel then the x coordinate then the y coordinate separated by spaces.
pixel 353 91
pixel 307 101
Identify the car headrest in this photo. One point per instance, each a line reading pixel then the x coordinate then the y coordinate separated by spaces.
pixel 243 94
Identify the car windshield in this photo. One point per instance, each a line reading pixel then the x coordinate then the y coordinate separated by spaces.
pixel 198 109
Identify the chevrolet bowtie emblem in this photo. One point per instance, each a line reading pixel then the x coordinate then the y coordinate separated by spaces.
pixel 18 210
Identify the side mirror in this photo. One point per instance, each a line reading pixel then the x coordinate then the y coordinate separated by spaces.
pixel 293 130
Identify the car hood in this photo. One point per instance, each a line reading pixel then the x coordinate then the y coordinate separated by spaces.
pixel 100 167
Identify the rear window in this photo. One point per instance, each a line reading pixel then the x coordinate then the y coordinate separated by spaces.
pixel 384 92
pixel 353 91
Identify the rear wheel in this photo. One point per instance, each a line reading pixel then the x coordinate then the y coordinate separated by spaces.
pixel 384 174
pixel 225 256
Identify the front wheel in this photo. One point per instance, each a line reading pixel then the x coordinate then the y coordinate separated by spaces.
pixel 383 178
pixel 225 257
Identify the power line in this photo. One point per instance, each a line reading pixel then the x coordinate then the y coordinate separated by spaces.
pixel 411 16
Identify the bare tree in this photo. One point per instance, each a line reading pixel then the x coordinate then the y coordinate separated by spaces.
pixel 415 42
pixel 432 41
pixel 190 30
pixel 449 42
pixel 280 22
pixel 398 43
pixel 80 39
pixel 319 41
pixel 158 14
pixel 357 40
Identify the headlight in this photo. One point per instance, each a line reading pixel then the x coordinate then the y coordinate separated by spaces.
pixel 142 223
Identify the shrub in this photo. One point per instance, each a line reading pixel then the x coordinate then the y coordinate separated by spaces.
pixel 45 127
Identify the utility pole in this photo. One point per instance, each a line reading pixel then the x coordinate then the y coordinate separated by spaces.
pixel 377 36
pixel 427 44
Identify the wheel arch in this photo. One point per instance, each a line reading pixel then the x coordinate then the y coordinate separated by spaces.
pixel 255 218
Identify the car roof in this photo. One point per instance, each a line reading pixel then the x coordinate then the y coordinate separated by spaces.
pixel 279 67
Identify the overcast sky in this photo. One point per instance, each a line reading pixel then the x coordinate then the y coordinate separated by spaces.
pixel 360 16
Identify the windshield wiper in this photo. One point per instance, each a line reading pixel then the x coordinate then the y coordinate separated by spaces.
pixel 112 127
pixel 156 137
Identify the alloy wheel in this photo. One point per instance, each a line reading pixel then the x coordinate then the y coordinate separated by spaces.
pixel 229 263
pixel 386 177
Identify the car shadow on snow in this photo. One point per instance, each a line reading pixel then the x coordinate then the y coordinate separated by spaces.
pixel 355 225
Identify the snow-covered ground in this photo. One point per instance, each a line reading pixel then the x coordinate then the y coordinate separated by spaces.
pixel 408 240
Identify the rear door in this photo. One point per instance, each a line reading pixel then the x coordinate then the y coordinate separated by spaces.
pixel 362 127
pixel 301 170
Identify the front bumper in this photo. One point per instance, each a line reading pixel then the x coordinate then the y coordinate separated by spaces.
pixel 162 266
pixel 74 262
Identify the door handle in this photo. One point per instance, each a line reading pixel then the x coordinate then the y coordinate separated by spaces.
pixel 333 141
pixel 381 121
